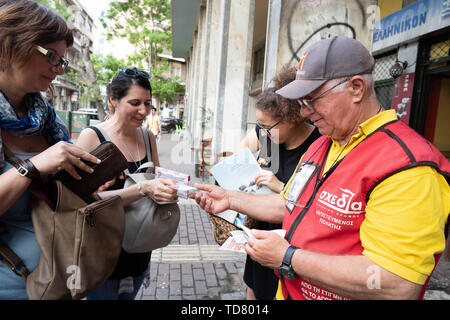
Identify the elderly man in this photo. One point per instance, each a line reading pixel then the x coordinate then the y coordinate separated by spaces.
pixel 367 206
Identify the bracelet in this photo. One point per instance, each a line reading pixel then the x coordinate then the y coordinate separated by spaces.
pixel 27 169
pixel 140 190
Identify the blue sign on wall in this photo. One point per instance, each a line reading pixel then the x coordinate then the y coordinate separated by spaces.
pixel 419 18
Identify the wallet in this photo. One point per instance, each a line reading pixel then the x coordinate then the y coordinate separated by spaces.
pixel 113 162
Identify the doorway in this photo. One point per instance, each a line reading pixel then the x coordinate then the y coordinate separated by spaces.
pixel 431 115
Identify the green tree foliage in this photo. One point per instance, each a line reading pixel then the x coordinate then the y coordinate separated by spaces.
pixel 86 80
pixel 105 68
pixel 57 6
pixel 146 25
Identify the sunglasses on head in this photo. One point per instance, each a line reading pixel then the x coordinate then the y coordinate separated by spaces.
pixel 134 73
pixel 53 58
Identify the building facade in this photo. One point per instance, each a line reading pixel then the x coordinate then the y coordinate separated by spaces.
pixel 411 45
pixel 234 48
pixel 177 71
pixel 66 92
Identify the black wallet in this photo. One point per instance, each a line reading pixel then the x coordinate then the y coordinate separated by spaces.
pixel 113 162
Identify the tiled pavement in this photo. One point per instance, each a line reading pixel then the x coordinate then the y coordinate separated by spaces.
pixel 192 267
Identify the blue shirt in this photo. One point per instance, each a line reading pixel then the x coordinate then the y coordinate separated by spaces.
pixel 18 234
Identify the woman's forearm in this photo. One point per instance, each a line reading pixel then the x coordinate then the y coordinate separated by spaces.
pixel 12 186
pixel 128 195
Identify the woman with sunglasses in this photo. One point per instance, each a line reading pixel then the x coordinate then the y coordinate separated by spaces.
pixel 281 135
pixel 130 98
pixel 33 42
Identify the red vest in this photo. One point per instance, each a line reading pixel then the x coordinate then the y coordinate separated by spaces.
pixel 330 208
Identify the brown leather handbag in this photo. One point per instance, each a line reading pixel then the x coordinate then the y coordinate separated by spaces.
pixel 80 242
pixel 113 163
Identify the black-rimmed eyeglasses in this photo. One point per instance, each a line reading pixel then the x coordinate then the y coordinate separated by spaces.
pixel 267 130
pixel 134 73
pixel 309 102
pixel 53 58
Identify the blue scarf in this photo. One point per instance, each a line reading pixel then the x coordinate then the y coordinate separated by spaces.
pixel 40 120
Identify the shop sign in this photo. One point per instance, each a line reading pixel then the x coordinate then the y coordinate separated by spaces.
pixel 401 100
pixel 411 22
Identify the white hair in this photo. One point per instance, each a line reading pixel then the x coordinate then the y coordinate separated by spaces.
pixel 368 78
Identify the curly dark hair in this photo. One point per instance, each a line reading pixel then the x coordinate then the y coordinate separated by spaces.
pixel 278 107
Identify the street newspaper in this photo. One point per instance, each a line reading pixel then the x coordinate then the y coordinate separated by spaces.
pixel 239 238
pixel 238 172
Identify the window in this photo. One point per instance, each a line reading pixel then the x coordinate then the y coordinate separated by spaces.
pixel 258 64
pixel 408 2
pixel 82 19
pixel 384 83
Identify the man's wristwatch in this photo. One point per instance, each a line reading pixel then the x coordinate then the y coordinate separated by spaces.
pixel 26 169
pixel 286 269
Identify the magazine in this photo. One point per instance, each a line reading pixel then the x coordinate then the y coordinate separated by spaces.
pixel 238 172
pixel 239 238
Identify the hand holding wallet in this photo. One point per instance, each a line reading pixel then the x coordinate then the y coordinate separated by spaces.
pixel 113 162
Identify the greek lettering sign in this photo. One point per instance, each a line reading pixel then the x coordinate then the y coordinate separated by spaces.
pixel 419 18
pixel 401 99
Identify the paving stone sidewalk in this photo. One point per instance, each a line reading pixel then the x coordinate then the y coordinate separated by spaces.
pixel 192 267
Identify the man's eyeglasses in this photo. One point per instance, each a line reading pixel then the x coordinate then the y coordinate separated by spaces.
pixel 53 58
pixel 134 73
pixel 309 102
pixel 267 130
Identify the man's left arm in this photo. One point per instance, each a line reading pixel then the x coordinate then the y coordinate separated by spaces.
pixel 353 276
pixel 401 234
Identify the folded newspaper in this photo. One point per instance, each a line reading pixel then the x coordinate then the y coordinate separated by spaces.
pixel 239 238
pixel 238 172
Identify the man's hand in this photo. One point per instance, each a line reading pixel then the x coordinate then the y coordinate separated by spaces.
pixel 267 248
pixel 268 178
pixel 215 200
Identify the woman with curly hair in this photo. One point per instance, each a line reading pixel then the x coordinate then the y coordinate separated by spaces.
pixel 281 135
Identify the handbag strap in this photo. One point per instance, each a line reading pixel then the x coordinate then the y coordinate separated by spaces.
pixel 7 256
pixel 148 146
pixel 10 156
pixel 145 165
pixel 12 261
